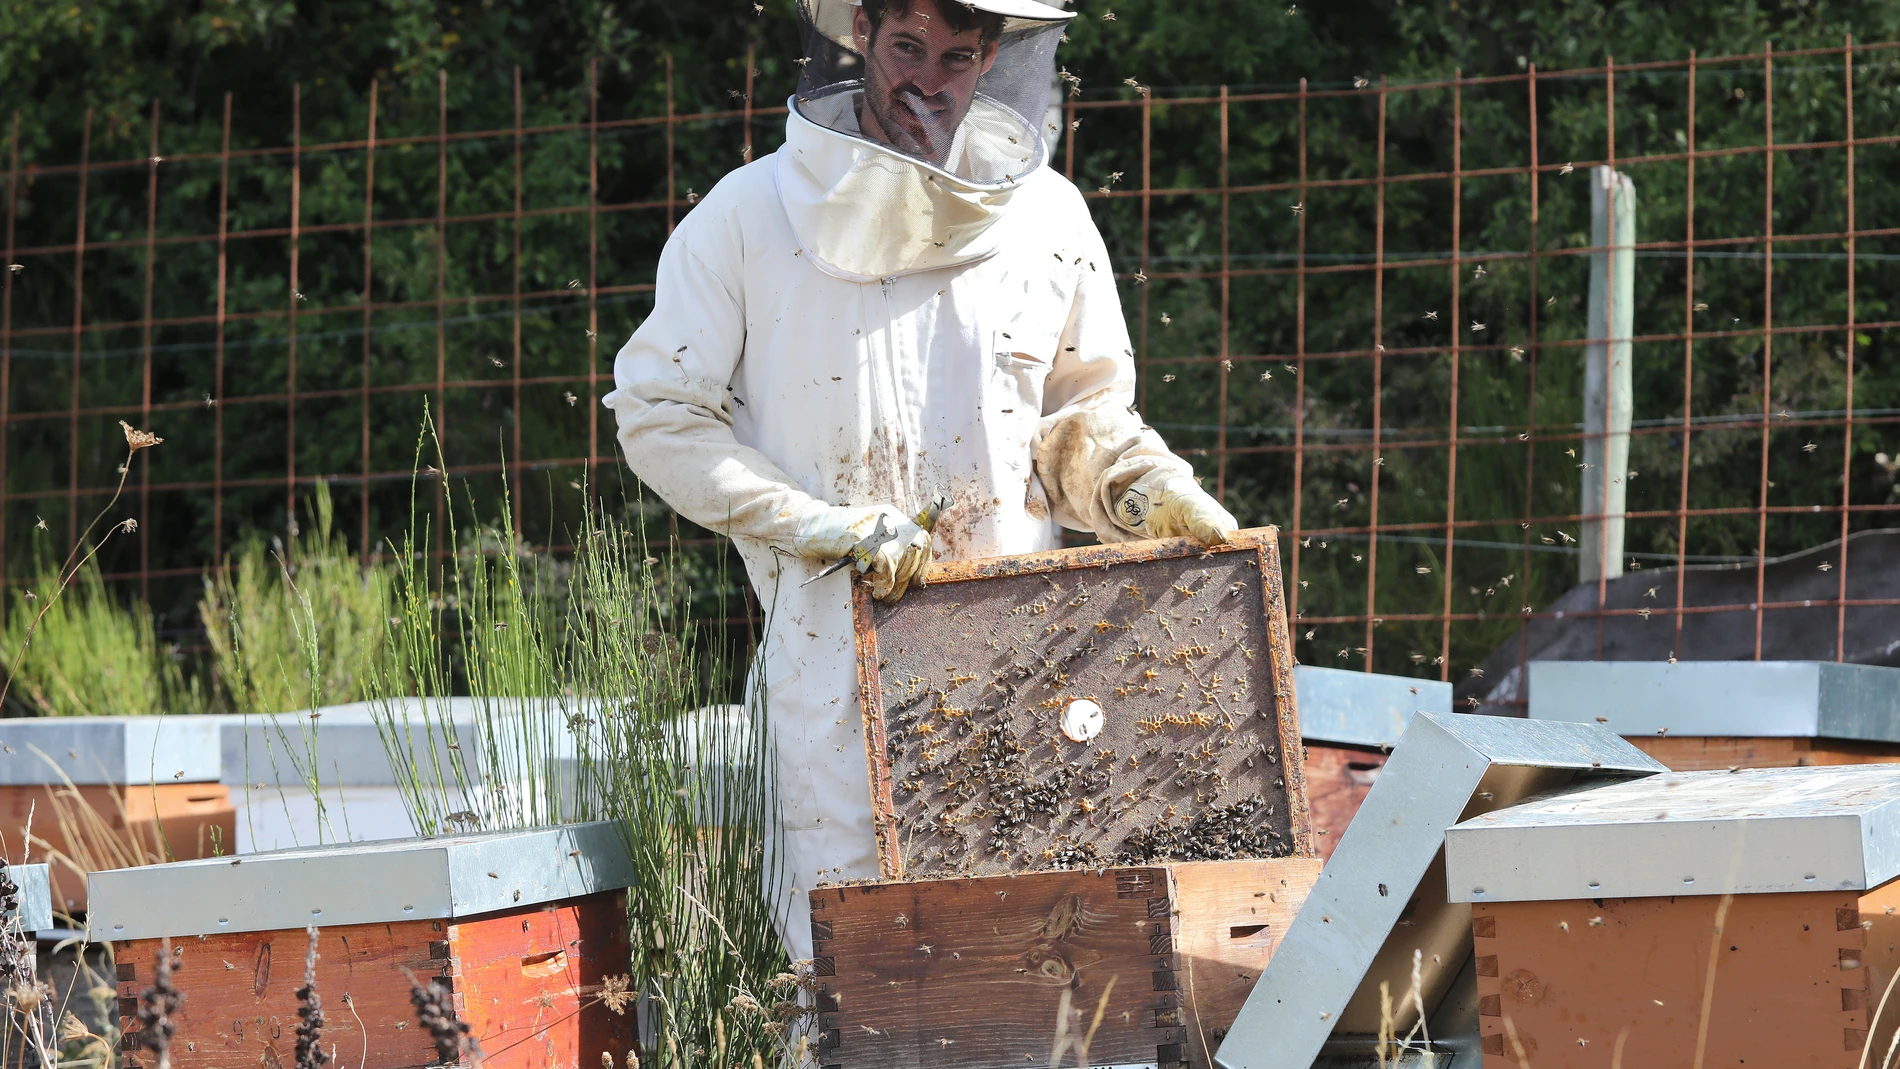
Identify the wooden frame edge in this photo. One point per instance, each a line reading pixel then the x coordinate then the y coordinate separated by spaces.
pixel 890 859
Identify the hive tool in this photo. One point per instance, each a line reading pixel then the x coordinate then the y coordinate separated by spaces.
pixel 868 546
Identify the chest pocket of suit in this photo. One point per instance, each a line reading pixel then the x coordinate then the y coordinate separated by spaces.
pixel 1015 367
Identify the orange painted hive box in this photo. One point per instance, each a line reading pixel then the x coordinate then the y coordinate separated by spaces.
pixel 1714 918
pixel 523 927
pixel 103 792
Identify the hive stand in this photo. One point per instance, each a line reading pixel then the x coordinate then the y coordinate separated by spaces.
pixel 1382 896
pixel 523 927
pixel 1350 721
pixel 127 786
pixel 1709 918
pixel 1724 714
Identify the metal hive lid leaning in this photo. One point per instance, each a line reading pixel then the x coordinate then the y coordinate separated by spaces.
pixel 1075 708
pixel 1752 831
pixel 358 883
pixel 118 750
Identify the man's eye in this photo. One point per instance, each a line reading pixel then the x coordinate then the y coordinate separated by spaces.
pixel 908 48
pixel 960 59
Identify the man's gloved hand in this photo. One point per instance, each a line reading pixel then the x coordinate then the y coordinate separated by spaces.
pixel 1172 505
pixel 893 565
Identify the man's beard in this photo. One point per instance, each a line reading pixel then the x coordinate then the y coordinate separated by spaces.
pixel 912 125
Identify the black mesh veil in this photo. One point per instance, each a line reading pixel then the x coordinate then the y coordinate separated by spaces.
pixel 908 76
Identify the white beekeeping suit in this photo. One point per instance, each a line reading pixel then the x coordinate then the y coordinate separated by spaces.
pixel 902 303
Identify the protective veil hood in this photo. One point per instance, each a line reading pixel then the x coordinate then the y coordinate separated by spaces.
pixel 865 209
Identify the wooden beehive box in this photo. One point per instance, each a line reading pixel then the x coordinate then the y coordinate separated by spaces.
pixel 523 927
pixel 1709 918
pixel 1349 722
pixel 1694 715
pixel 106 790
pixel 936 974
pixel 965 686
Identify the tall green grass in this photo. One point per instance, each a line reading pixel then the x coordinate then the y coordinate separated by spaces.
pixel 90 656
pixel 596 696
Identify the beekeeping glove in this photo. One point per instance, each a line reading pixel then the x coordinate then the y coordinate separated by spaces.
pixel 894 563
pixel 1167 504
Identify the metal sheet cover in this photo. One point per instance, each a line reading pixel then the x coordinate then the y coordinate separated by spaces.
pixel 358 883
pixel 1752 831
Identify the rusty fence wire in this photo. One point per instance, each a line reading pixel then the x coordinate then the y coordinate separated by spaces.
pixel 1360 308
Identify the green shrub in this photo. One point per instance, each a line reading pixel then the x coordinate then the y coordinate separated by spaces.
pixel 89 655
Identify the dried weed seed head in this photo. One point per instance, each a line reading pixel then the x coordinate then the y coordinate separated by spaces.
pixel 136 439
pixel 158 1003
pixel 616 993
pixel 435 1011
pixel 72 1029
pixel 310 1054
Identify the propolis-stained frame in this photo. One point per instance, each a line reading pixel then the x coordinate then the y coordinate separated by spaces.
pixel 1261 547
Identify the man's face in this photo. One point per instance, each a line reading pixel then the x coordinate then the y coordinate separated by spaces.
pixel 920 78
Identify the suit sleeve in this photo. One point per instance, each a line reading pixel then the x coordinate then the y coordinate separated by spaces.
pixel 670 396
pixel 1091 445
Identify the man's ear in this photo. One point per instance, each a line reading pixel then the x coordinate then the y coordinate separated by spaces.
pixel 861 29
pixel 989 58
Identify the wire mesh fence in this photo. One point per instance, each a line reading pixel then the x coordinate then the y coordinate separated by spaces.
pixel 1362 309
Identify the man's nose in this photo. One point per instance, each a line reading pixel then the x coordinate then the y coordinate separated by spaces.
pixel 931 79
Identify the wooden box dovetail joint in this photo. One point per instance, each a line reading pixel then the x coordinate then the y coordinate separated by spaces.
pixel 1714 917
pixel 946 974
pixel 526 981
pixel 965 687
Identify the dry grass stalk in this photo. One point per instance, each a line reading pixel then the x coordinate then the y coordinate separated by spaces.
pixel 1391 1046
pixel 91 841
pixel 158 1003
pixel 1064 1043
pixel 1708 981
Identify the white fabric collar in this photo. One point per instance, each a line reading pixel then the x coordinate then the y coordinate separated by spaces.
pixel 863 211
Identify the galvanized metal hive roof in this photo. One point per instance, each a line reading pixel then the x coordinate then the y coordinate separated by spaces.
pixel 92 750
pixel 1752 831
pixel 358 883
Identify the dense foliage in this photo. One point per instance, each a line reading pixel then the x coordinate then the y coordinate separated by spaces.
pixel 116 59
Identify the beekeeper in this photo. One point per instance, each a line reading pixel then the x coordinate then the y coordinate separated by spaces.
pixel 903 302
